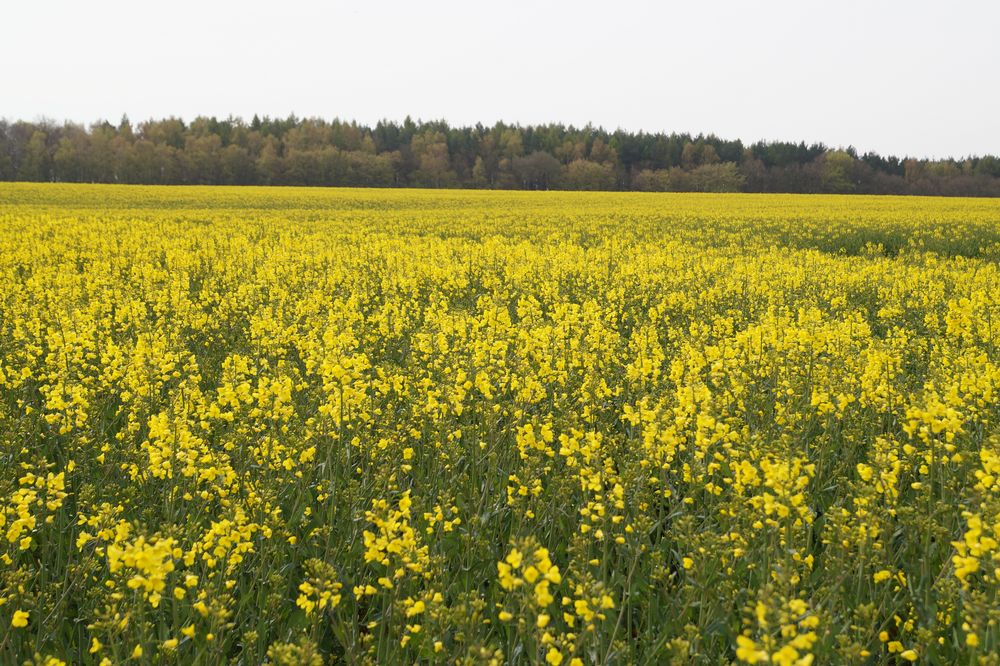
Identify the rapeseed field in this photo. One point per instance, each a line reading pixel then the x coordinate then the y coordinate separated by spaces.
pixel 299 426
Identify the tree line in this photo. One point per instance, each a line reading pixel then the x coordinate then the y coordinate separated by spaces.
pixel 317 152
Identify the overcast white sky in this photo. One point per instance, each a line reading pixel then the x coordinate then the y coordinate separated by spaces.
pixel 911 77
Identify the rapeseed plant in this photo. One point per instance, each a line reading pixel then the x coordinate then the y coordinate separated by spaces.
pixel 385 426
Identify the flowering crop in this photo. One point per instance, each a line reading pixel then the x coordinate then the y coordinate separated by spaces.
pixel 386 426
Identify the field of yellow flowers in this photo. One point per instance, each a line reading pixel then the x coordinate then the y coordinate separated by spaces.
pixel 298 426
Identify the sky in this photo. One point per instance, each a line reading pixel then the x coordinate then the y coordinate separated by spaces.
pixel 909 78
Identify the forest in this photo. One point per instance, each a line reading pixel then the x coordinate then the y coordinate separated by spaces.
pixel 318 152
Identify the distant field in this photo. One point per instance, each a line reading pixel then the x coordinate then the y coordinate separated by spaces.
pixel 468 427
